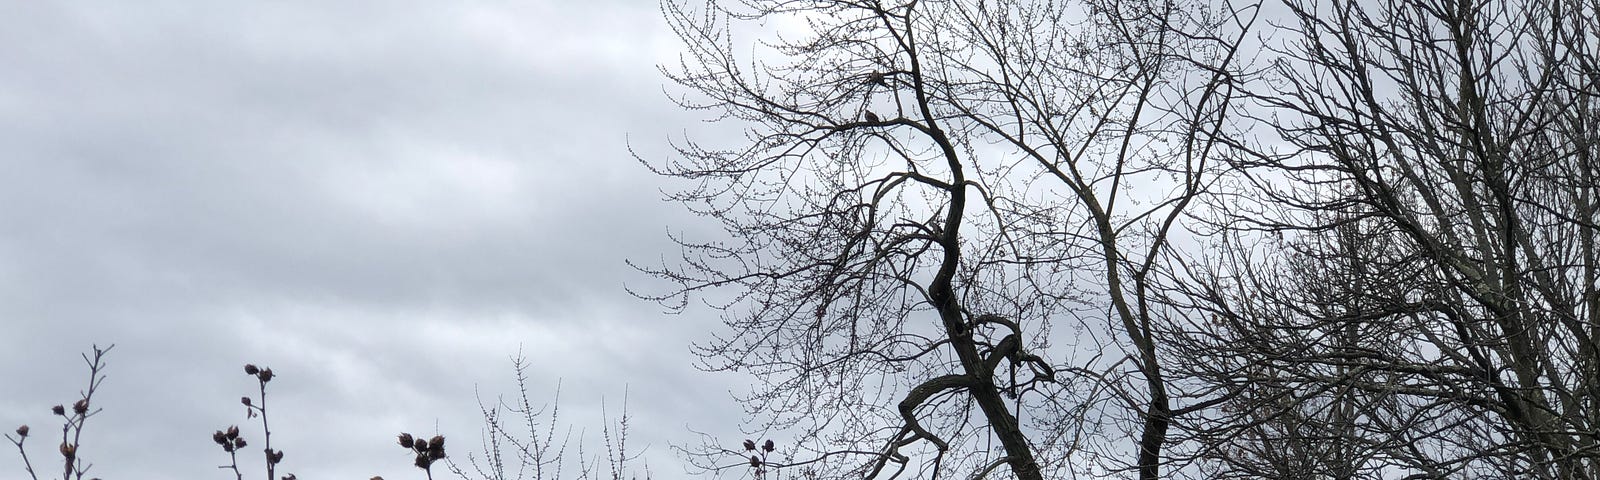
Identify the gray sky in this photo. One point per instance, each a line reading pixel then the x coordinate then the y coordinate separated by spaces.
pixel 382 201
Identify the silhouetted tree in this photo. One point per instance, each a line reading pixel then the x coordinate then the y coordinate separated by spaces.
pixel 1434 305
pixel 897 272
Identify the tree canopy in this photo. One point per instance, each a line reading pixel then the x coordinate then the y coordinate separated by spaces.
pixel 1047 239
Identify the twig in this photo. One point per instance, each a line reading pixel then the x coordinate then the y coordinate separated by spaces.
pixel 22 436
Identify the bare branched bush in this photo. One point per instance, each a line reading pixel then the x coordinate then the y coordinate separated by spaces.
pixel 524 439
pixel 525 446
pixel 72 423
pixel 230 439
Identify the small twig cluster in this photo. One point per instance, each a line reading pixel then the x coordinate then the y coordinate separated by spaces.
pixel 73 466
pixel 427 451
pixel 758 463
pixel 230 440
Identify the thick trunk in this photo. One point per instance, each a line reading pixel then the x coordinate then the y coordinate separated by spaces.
pixel 1156 419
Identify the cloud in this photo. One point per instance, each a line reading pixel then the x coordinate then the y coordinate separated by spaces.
pixel 382 201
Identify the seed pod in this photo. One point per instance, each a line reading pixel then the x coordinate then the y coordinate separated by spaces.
pixel 220 438
pixel 22 431
pixel 405 440
pixel 749 445
pixel 81 406
pixel 768 447
pixel 233 432
pixel 420 445
pixel 755 462
pixel 69 450
pixel 250 369
pixel 245 401
pixel 58 410
pixel 265 375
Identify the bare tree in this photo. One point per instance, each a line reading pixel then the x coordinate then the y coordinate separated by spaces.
pixel 926 189
pixel 1434 305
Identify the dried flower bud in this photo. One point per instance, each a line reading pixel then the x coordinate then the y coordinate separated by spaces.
pixel 420 445
pixel 233 432
pixel 436 447
pixel 265 375
pixel 81 406
pixel 405 440
pixel 749 445
pixel 755 462
pixel 768 447
pixel 22 431
pixel 227 447
pixel 245 401
pixel 69 450
pixel 220 438
pixel 422 461
pixel 58 410
pixel 250 369
pixel 273 457
pixel 239 443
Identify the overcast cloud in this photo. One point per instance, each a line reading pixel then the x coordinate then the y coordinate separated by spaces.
pixel 382 201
